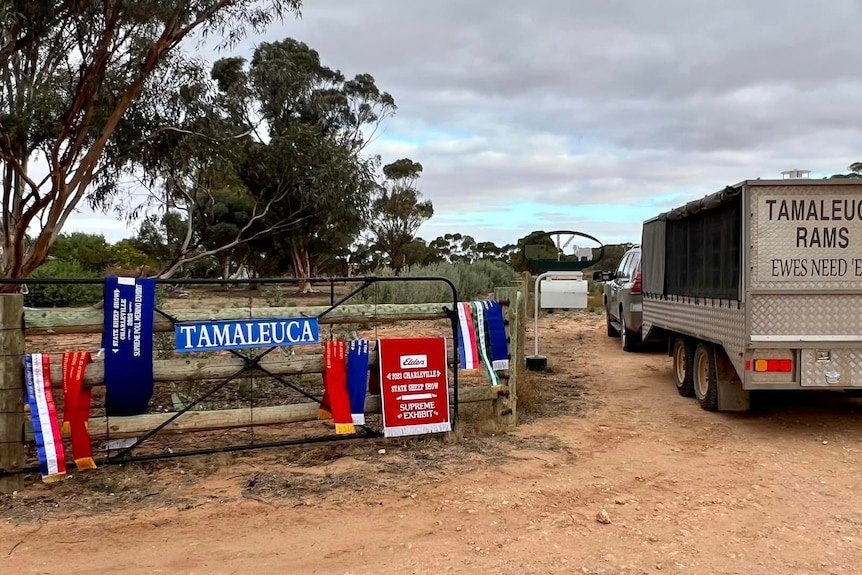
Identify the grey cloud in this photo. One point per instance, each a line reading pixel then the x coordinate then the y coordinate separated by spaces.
pixel 602 102
pixel 609 48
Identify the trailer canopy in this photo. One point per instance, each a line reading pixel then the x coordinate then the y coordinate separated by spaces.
pixel 694 250
pixel 727 195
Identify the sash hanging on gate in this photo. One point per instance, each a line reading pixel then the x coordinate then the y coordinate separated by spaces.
pixel 76 408
pixel 128 344
pixel 357 378
pixel 43 413
pixel 482 343
pixel 496 326
pixel 468 353
pixel 335 398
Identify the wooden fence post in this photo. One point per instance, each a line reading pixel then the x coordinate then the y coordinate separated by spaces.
pixel 516 347
pixel 11 391
pixel 507 407
pixel 527 278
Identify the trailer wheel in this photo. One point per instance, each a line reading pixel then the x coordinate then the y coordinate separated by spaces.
pixel 705 376
pixel 683 359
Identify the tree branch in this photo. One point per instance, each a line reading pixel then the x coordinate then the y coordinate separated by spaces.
pixel 292 221
pixel 199 134
pixel 18 44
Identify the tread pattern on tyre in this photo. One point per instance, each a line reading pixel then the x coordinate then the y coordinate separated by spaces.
pixel 684 388
pixel 709 402
pixel 632 339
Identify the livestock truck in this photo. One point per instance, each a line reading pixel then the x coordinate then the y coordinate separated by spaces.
pixel 758 287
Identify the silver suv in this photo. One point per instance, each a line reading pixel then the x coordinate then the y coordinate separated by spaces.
pixel 623 299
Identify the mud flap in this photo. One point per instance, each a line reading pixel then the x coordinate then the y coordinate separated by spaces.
pixel 731 396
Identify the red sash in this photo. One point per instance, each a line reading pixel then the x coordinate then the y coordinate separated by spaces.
pixel 76 408
pixel 336 400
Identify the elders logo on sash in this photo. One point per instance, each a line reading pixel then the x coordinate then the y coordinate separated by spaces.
pixel 414 361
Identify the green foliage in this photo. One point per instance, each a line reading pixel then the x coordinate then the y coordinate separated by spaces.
pixel 455 247
pixel 419 253
pixel 97 87
pixel 531 241
pixel 490 251
pixel 464 248
pixel 127 256
pixel 310 175
pixel 397 213
pixel 225 216
pixel 62 295
pixel 472 280
pixel 161 238
pixel 91 251
pixel 95 256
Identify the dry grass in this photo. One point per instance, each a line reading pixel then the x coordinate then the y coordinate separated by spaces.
pixel 531 395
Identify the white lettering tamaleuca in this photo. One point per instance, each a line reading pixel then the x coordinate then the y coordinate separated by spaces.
pixel 245 334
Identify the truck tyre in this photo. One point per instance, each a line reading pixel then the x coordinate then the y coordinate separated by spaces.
pixel 612 332
pixel 628 340
pixel 683 359
pixel 705 376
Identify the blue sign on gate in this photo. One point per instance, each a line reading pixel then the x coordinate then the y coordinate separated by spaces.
pixel 247 333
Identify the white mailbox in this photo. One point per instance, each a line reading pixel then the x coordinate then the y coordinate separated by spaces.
pixel 564 292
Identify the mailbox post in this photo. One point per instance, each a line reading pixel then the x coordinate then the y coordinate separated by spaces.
pixel 565 286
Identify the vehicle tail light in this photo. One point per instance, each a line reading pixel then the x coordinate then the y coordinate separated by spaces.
pixel 773 365
pixel 636 285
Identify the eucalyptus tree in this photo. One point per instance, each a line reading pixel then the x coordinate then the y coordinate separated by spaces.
pixel 86 87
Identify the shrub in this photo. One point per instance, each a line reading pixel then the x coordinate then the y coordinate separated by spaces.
pixel 62 295
pixel 472 280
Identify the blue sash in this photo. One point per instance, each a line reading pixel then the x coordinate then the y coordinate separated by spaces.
pixel 357 378
pixel 497 335
pixel 128 344
pixel 482 343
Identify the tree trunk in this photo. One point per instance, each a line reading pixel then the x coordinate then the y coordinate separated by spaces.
pixel 224 264
pixel 15 259
pixel 301 269
pixel 252 275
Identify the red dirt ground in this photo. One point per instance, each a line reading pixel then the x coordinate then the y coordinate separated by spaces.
pixel 686 491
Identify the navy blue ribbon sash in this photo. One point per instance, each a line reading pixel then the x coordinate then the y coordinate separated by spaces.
pixel 128 344
pixel 357 378
pixel 496 326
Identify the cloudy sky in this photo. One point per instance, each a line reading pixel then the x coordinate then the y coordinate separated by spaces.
pixel 594 115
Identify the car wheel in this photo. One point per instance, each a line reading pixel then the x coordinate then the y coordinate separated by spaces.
pixel 705 377
pixel 627 340
pixel 683 358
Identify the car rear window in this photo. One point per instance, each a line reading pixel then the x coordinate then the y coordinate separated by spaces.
pixel 632 264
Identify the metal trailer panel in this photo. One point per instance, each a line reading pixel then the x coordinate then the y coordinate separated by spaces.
pixel 811 302
pixel 787 256
pixel 718 321
pixel 811 315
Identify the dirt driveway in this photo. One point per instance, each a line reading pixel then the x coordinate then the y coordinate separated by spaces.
pixel 772 491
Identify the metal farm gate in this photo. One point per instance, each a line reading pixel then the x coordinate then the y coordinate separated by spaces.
pixel 249 363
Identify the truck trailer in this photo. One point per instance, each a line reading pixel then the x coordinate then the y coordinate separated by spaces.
pixel 758 287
